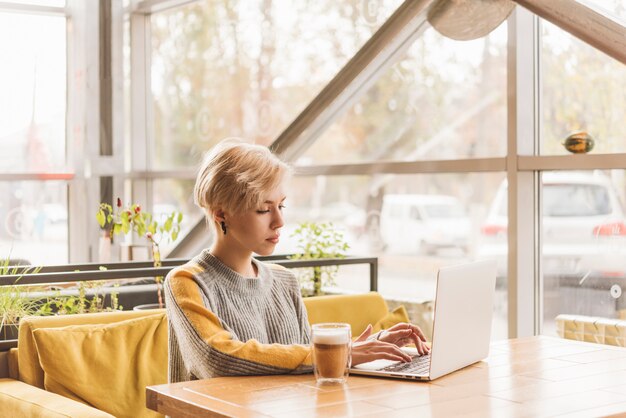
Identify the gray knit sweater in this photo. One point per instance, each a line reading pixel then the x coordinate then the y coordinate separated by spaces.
pixel 224 324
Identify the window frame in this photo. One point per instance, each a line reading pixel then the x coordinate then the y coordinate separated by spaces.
pixel 132 171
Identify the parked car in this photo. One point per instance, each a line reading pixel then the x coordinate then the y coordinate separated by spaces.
pixel 421 223
pixel 583 228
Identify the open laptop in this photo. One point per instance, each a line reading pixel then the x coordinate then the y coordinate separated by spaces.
pixel 461 327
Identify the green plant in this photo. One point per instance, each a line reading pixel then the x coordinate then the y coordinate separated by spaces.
pixel 81 303
pixel 317 240
pixel 123 220
pixel 14 302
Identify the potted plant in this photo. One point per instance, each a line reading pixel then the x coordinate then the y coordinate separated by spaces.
pixel 132 218
pixel 317 240
pixel 13 306
pixel 89 299
pixel 14 303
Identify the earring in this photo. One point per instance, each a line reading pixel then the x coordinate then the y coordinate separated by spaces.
pixel 223 224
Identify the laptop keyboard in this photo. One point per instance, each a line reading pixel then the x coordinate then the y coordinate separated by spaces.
pixel 419 365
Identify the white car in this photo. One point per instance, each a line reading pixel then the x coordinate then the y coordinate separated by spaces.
pixel 583 227
pixel 421 223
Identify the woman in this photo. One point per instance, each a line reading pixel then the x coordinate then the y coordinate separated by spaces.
pixel 231 314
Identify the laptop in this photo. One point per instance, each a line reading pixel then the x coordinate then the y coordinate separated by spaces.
pixel 461 327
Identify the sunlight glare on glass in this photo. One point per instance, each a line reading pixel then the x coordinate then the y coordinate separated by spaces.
pixel 33 86
pixel 613 9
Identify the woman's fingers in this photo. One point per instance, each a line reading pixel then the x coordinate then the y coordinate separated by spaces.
pixel 363 352
pixel 402 337
pixel 419 332
pixel 395 336
pixel 365 334
pixel 406 326
pixel 390 356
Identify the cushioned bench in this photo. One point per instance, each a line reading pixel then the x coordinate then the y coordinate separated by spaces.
pixel 98 365
pixel 592 329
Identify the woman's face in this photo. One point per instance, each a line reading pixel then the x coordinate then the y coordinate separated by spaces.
pixel 258 230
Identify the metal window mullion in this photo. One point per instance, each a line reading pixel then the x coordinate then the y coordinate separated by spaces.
pixel 142 125
pixel 117 75
pixel 83 128
pixel 615 161
pixel 522 191
pixel 154 6
pixel 537 183
pixel 34 9
pixel 495 164
pixel 522 186
pixel 468 165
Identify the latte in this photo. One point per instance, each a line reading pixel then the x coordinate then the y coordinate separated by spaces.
pixel 331 352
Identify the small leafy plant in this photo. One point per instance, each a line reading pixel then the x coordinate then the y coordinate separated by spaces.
pixel 317 240
pixel 14 303
pixel 82 303
pixel 123 220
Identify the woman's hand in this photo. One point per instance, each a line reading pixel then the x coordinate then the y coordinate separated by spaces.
pixel 364 350
pixel 402 334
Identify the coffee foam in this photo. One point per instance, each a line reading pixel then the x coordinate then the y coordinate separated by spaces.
pixel 331 336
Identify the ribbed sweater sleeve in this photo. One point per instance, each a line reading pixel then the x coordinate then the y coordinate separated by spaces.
pixel 222 324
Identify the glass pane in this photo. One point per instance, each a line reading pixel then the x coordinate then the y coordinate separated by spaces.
pixel 414 224
pixel 615 9
pixel 584 245
pixel 175 195
pixel 582 90
pixel 241 68
pixel 33 86
pixel 444 99
pixel 33 223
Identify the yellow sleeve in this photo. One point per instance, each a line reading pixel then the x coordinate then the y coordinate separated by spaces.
pixel 187 297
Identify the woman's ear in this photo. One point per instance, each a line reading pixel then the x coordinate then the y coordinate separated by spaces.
pixel 219 215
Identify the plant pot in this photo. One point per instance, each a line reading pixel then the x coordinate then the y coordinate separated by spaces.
pixel 9 332
pixel 148 306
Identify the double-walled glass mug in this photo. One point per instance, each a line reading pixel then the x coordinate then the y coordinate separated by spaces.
pixel 331 352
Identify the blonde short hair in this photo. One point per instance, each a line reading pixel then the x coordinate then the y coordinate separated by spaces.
pixel 235 175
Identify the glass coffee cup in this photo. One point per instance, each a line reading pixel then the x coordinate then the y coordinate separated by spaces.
pixel 331 352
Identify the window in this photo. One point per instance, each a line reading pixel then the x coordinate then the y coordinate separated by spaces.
pixel 33 212
pixel 582 220
pixel 581 91
pixel 175 195
pixel 444 99
pixel 34 222
pixel 584 245
pixel 223 69
pixel 409 249
pixel 33 86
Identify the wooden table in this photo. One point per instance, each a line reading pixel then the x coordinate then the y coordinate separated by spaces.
pixel 535 377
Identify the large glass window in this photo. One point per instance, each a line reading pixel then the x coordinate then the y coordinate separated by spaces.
pixel 33 222
pixel 583 244
pixel 614 9
pixel 33 92
pixel 246 68
pixel 414 224
pixel 582 90
pixel 444 99
pixel 33 214
pixel 175 195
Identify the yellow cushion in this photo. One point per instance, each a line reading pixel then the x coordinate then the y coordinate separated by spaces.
pixel 28 361
pixel 18 399
pixel 357 310
pixel 107 366
pixel 392 318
